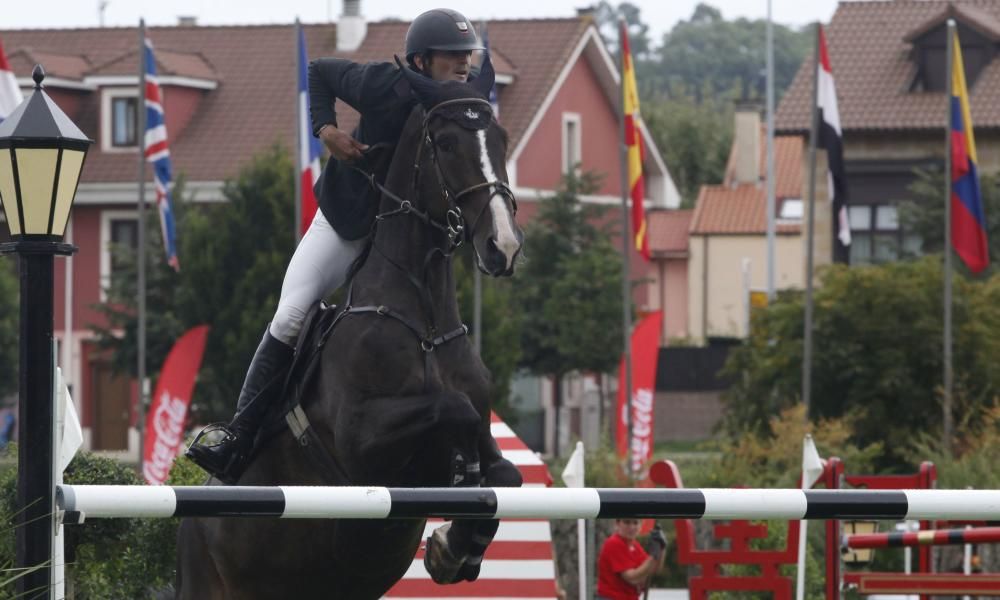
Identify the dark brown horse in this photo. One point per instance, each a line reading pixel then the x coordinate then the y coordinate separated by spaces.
pixel 402 398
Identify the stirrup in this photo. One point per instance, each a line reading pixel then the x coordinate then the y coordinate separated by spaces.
pixel 228 435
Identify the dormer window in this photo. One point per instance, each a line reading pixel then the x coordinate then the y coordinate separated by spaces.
pixel 124 120
pixel 979 38
pixel 119 119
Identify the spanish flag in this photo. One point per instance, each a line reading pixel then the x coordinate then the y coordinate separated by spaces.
pixel 968 221
pixel 633 141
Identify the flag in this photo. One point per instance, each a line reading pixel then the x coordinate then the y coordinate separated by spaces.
pixel 168 411
pixel 493 90
pixel 968 221
pixel 645 349
pixel 518 563
pixel 309 146
pixel 812 464
pixel 10 93
pixel 157 152
pixel 831 139
pixel 633 142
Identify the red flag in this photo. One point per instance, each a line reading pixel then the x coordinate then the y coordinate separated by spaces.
pixel 165 421
pixel 645 347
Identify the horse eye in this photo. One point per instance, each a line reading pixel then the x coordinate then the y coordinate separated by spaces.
pixel 446 144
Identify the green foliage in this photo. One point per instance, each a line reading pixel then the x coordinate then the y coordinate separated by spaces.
pixel 973 462
pixel 9 325
pixel 569 288
pixel 708 56
pixel 233 258
pixel 501 328
pixel 878 345
pixel 923 214
pixel 694 139
pixel 106 558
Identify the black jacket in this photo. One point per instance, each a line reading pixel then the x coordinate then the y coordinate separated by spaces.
pixel 382 96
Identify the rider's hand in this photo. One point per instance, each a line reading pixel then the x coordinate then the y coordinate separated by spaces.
pixel 341 145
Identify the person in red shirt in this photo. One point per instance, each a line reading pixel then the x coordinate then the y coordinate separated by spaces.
pixel 624 567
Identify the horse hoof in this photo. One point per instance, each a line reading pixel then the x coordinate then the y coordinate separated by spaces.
pixel 440 563
pixel 468 572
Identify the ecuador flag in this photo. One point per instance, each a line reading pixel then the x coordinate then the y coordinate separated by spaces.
pixel 633 142
pixel 968 222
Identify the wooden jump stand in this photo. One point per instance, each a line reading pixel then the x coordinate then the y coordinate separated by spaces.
pixel 739 533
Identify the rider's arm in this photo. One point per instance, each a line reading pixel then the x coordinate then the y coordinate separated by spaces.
pixel 640 574
pixel 358 85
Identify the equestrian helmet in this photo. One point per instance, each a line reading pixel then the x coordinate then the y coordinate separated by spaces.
pixel 441 29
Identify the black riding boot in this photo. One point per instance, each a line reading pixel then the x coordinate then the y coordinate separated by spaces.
pixel 227 459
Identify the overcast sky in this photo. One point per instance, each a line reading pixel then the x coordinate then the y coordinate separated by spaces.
pixel 659 14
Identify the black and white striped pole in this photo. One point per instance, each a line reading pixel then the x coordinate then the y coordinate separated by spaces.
pixel 292 502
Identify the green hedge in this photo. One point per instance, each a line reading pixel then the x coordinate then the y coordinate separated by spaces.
pixel 105 558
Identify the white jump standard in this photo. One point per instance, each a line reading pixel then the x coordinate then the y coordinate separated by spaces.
pixel 291 502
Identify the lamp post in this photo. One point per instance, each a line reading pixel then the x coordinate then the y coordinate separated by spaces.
pixel 41 156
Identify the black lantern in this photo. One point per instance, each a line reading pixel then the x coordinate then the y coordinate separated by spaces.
pixel 41 156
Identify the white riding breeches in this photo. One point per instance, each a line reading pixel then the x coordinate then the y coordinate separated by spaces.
pixel 318 267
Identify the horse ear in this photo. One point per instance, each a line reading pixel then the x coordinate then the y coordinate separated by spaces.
pixel 424 88
pixel 483 82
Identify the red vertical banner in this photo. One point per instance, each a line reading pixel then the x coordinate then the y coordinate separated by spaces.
pixel 168 412
pixel 645 348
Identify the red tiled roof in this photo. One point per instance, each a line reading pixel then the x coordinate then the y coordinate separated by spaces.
pixel 168 62
pixel 873 68
pixel 66 66
pixel 740 209
pixel 668 230
pixel 254 103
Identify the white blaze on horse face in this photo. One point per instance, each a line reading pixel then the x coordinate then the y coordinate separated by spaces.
pixel 503 221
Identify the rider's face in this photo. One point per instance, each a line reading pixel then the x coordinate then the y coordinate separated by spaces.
pixel 445 66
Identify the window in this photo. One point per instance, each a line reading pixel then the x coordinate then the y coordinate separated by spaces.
pixel 120 120
pixel 876 236
pixel 791 209
pixel 571 143
pixel 119 240
pixel 124 122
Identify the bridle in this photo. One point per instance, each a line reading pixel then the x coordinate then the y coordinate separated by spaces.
pixel 454 225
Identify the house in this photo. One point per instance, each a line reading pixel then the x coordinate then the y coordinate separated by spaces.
pixel 708 262
pixel 229 92
pixel 888 61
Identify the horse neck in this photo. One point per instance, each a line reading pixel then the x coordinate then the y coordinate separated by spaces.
pixel 401 247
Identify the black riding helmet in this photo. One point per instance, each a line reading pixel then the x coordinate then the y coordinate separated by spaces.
pixel 440 29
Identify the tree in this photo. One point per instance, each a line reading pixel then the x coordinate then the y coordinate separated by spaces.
pixel 924 214
pixel 878 354
pixel 233 258
pixel 570 287
pixel 9 325
pixel 501 328
pixel 694 138
pixel 710 57
pixel 606 15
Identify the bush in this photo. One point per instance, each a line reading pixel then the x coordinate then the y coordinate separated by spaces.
pixel 106 558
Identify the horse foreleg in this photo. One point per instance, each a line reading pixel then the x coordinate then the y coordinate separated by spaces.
pixel 465 541
pixel 197 577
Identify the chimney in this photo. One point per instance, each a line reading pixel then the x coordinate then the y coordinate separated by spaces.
pixel 746 144
pixel 351 28
pixel 187 21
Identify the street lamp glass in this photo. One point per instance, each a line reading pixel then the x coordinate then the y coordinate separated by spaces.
pixel 41 156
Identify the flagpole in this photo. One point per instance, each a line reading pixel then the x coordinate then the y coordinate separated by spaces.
pixel 141 240
pixel 770 157
pixel 946 400
pixel 299 167
pixel 626 269
pixel 810 237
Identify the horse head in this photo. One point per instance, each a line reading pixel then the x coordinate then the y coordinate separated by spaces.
pixel 465 149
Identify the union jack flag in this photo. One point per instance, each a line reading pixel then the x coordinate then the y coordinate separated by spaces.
pixel 157 153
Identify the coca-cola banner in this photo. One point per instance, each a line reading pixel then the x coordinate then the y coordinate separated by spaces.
pixel 645 348
pixel 168 411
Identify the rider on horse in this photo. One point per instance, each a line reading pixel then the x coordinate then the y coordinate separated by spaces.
pixel 439 45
